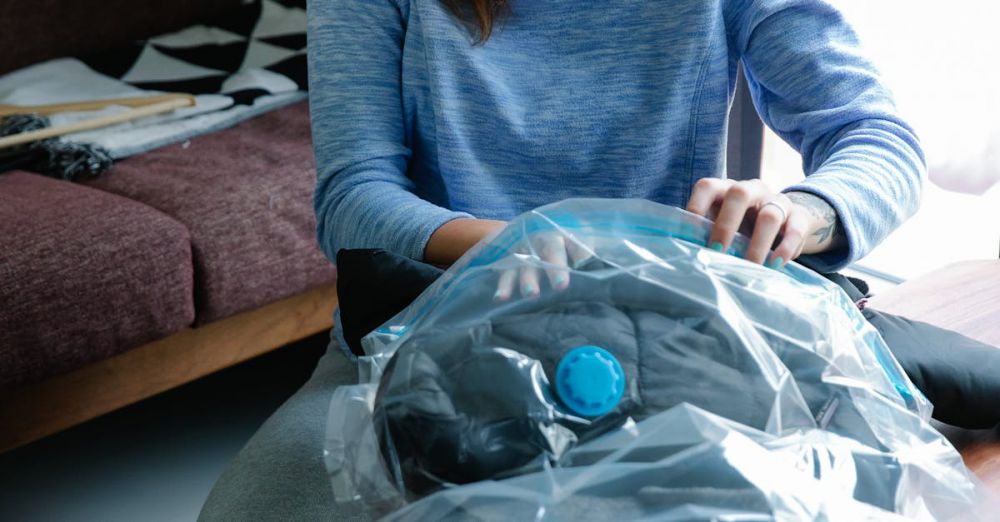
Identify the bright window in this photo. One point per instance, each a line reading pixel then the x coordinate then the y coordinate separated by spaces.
pixel 939 59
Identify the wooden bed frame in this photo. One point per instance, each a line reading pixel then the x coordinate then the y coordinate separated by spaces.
pixel 35 411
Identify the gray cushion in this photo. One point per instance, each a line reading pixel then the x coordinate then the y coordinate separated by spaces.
pixel 279 475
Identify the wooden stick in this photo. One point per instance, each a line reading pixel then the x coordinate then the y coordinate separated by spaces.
pixel 91 105
pixel 94 123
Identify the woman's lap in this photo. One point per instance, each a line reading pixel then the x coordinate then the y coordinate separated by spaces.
pixel 279 474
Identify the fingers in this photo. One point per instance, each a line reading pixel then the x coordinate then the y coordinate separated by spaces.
pixel 577 252
pixel 526 278
pixel 505 286
pixel 793 238
pixel 767 225
pixel 707 193
pixel 739 198
pixel 528 282
pixel 553 251
pixel 730 203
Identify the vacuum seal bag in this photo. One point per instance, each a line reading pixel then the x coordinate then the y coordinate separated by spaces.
pixel 594 361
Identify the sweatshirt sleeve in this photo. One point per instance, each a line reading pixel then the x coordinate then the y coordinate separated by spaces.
pixel 363 197
pixel 814 88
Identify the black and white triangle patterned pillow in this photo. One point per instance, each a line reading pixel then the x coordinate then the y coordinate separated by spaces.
pixel 254 50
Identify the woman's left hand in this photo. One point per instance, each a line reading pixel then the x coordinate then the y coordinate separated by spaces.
pixel 793 223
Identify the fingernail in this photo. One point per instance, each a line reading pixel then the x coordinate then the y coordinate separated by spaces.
pixel 499 295
pixel 776 262
pixel 529 290
pixel 717 246
pixel 562 281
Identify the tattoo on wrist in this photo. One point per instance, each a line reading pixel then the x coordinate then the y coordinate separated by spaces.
pixel 829 229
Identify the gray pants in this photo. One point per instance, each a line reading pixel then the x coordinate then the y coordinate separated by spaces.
pixel 279 474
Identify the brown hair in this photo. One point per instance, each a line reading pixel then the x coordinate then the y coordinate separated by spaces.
pixel 479 13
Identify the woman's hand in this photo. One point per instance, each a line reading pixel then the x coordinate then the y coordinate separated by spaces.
pixel 793 224
pixel 558 254
pixel 454 238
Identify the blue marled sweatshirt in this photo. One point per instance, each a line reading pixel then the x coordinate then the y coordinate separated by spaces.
pixel 414 126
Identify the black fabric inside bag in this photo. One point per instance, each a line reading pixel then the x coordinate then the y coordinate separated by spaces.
pixel 959 375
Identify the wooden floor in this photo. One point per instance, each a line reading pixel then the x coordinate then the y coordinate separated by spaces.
pixel 980 450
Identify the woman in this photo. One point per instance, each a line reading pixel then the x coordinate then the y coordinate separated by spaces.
pixel 436 121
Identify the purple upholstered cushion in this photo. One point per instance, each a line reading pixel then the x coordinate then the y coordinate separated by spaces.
pixel 245 194
pixel 84 275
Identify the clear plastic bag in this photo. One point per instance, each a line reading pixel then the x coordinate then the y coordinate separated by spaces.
pixel 666 381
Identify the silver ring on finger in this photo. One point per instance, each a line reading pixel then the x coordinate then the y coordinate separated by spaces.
pixel 784 213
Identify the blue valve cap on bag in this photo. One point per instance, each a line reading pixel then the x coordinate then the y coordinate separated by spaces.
pixel 590 381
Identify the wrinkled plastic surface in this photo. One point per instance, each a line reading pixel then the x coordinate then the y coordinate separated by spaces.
pixel 750 393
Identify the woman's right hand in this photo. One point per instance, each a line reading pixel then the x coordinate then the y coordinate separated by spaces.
pixel 558 253
pixel 454 238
